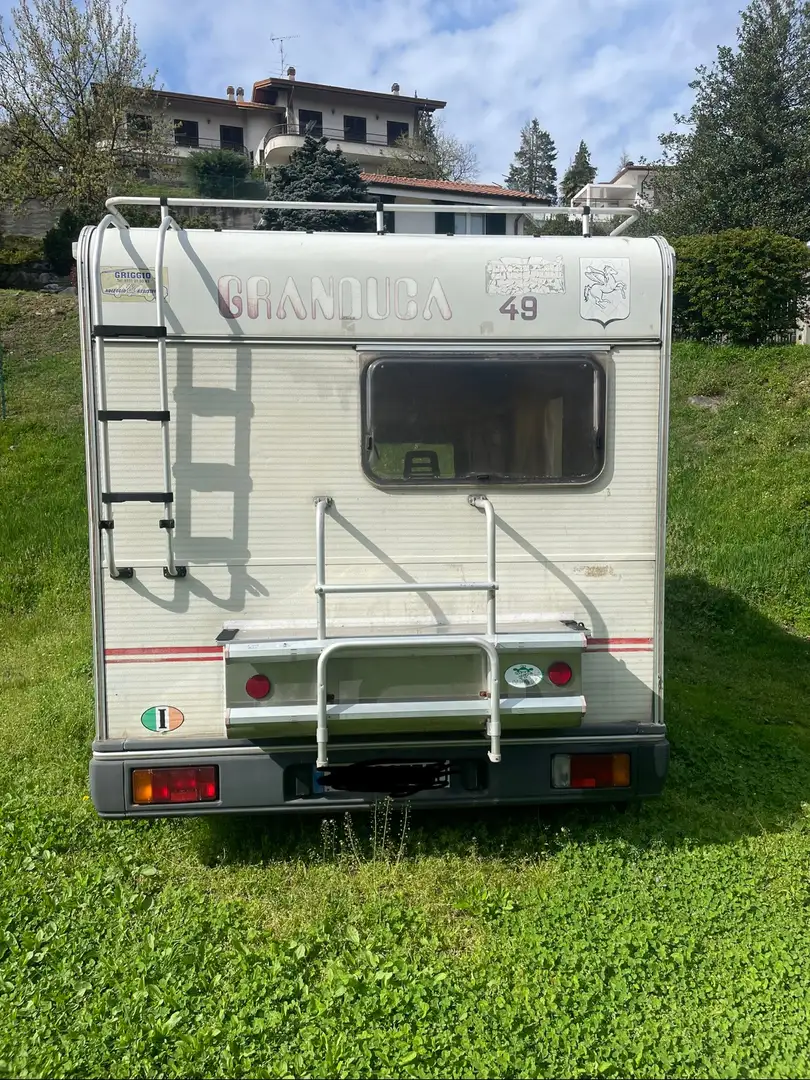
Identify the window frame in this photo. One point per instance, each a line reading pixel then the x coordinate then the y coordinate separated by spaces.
pixel 404 131
pixel 184 138
pixel 352 138
pixel 310 127
pixel 230 144
pixel 437 483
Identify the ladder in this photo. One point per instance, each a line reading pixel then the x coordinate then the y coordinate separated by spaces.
pixel 486 643
pixel 101 333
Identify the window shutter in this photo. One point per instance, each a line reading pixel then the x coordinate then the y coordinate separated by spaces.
pixel 445 223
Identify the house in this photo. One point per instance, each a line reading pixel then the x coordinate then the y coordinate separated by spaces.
pixel 436 193
pixel 633 185
pixel 366 125
pixel 282 111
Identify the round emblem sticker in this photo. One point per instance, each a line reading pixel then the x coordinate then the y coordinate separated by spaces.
pixel 162 718
pixel 523 675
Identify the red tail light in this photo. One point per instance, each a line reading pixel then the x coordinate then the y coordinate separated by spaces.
pixel 258 687
pixel 197 783
pixel 559 673
pixel 590 771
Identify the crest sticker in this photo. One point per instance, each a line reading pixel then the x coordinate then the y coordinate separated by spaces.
pixel 523 675
pixel 510 276
pixel 604 290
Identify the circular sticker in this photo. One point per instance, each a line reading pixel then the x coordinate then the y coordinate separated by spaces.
pixel 523 675
pixel 162 718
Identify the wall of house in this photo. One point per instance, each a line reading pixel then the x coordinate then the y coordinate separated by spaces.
pixel 335 108
pixel 254 122
pixel 425 224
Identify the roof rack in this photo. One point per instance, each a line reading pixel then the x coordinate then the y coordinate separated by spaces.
pixel 380 208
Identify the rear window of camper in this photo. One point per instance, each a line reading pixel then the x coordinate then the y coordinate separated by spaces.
pixel 493 419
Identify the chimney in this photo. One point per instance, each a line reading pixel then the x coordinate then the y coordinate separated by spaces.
pixel 395 88
pixel 240 93
pixel 229 92
pixel 291 73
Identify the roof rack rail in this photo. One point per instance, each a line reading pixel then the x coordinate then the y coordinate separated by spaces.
pixel 378 207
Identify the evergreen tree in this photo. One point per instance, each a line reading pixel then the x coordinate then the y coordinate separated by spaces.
pixel 315 173
pixel 579 173
pixel 744 158
pixel 533 169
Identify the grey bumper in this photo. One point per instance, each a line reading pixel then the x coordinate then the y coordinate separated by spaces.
pixel 260 779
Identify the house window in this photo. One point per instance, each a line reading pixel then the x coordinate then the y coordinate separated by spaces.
pixel 139 125
pixel 186 133
pixel 390 221
pixel 396 131
pixel 494 419
pixel 231 138
pixel 354 128
pixel 310 122
pixel 471 224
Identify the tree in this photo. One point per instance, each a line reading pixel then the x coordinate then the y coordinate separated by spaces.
pixel 71 90
pixel 431 154
pixel 743 159
pixel 533 169
pixel 579 173
pixel 218 173
pixel 318 174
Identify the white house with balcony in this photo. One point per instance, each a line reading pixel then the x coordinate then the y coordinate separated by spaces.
pixel 365 124
pixel 282 111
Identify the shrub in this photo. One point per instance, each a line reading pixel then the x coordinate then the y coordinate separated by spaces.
pixel 19 250
pixel 58 243
pixel 218 174
pixel 740 286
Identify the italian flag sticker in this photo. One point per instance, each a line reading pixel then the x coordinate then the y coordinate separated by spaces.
pixel 162 718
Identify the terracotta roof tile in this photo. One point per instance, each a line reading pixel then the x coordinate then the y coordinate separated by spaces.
pixel 451 186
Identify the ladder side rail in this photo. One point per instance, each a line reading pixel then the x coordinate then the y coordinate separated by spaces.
pixel 167 522
pixel 108 525
pixel 481 502
pixel 322 504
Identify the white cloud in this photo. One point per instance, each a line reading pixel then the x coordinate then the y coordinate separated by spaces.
pixel 612 74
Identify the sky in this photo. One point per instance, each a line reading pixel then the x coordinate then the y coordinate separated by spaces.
pixel 611 72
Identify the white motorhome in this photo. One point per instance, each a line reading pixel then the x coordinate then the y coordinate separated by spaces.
pixel 374 515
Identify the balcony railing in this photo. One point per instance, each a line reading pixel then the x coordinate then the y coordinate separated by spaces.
pixel 190 142
pixel 317 131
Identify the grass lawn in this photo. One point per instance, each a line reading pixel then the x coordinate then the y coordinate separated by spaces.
pixel 670 942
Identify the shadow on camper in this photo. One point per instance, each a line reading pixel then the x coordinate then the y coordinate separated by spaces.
pixel 737 685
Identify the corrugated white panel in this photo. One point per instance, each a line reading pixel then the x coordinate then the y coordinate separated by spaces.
pixel 258 432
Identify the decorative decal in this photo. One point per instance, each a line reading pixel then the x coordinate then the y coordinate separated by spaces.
pixel 131 284
pixel 604 290
pixel 162 718
pixel 511 276
pixel 523 675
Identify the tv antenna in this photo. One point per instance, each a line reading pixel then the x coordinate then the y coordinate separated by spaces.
pixel 282 60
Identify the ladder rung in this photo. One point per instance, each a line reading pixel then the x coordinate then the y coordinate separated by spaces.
pixel 106 415
pixel 104 331
pixel 137 496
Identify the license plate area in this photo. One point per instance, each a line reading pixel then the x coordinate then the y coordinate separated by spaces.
pixel 397 778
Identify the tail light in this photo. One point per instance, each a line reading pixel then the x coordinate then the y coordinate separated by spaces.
pixel 197 783
pixel 559 673
pixel 590 771
pixel 258 687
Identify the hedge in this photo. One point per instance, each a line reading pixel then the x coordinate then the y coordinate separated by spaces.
pixel 741 286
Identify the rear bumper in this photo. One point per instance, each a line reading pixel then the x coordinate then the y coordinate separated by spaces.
pixel 262 779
